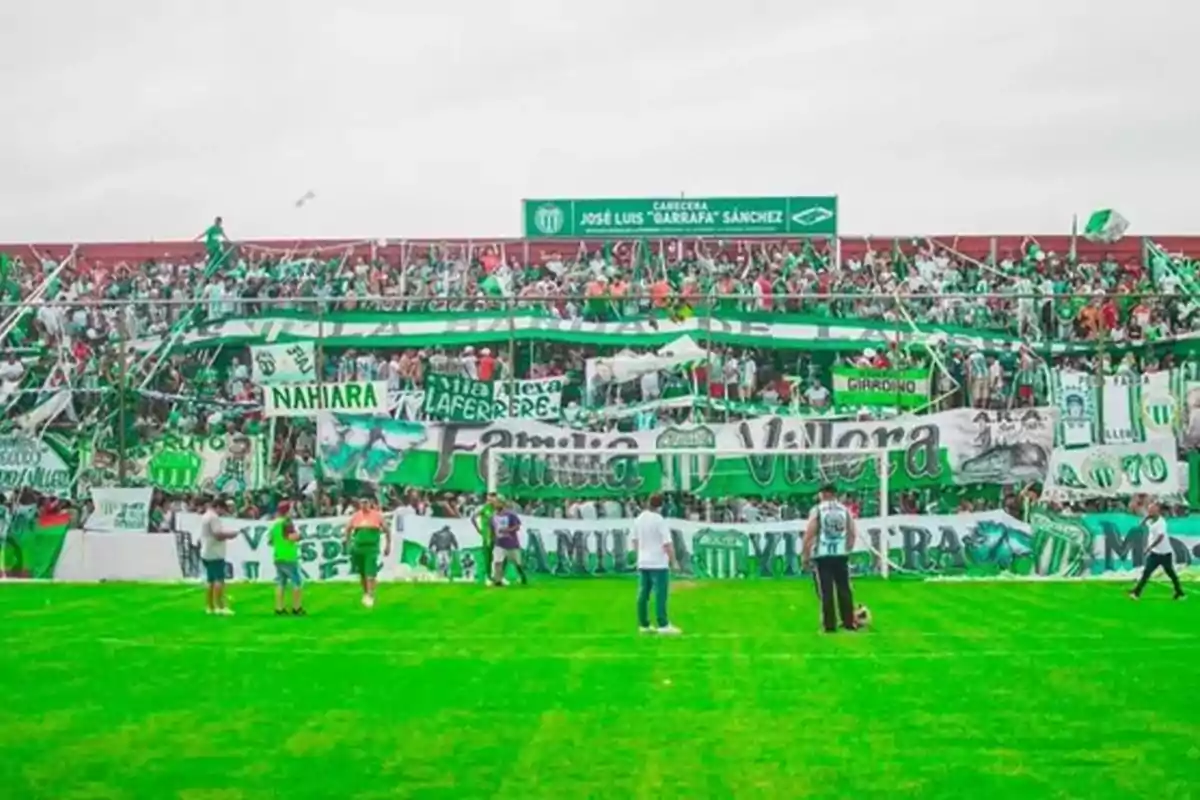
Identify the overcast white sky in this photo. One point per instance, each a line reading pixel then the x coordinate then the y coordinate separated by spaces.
pixel 139 119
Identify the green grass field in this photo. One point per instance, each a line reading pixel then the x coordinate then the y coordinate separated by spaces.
pixel 969 690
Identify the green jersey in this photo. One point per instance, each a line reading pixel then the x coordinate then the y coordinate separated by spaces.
pixel 367 537
pixel 484 519
pixel 285 549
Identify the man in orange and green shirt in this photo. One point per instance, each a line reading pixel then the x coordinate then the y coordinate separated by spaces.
pixel 363 533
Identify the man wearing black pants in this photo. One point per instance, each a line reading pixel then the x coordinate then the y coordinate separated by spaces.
pixel 828 542
pixel 1158 553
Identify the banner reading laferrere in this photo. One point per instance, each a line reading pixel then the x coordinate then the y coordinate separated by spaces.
pixel 899 388
pixel 454 398
pixel 701 216
pixel 964 446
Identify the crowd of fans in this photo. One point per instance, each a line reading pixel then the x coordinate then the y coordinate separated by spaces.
pixel 62 338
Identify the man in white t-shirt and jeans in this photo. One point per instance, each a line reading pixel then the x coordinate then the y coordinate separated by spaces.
pixel 1158 552
pixel 213 536
pixel 655 560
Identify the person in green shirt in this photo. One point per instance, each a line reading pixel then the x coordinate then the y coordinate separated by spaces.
pixel 483 523
pixel 285 542
pixel 214 237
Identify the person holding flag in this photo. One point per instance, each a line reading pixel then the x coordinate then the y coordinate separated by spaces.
pixel 362 542
pixel 285 542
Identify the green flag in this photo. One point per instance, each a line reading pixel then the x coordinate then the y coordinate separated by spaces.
pixel 899 261
pixel 33 543
pixel 1105 225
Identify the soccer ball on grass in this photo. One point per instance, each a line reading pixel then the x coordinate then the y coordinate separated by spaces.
pixel 862 616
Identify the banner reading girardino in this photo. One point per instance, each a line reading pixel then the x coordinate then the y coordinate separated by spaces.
pixel 897 388
pixel 965 446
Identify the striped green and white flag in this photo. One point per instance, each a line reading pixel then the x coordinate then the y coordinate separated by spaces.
pixel 1141 407
pixel 720 554
pixel 1105 225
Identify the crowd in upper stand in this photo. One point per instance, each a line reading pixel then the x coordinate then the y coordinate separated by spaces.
pixel 1035 297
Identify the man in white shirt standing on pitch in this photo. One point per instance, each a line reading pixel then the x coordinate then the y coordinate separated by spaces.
pixel 828 541
pixel 213 536
pixel 1158 552
pixel 655 560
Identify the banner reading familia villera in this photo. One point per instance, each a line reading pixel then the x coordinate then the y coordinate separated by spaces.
pixel 960 447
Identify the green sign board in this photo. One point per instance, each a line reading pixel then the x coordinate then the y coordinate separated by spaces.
pixel 699 216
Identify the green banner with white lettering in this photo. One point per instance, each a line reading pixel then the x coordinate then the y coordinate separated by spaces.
pixel 679 216
pixel 453 398
pixel 881 388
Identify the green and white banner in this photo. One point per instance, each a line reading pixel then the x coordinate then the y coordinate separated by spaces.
pixel 284 363
pixel 979 544
pixel 887 388
pixel 531 399
pixel 453 398
pixel 964 446
pixel 1190 434
pixel 1075 396
pixel 966 545
pixel 29 462
pixel 1114 470
pixel 309 399
pixel 629 366
pixel 1138 408
pixel 249 557
pixel 1110 542
pixel 223 464
pixel 391 330
pixel 120 510
pixel 1133 407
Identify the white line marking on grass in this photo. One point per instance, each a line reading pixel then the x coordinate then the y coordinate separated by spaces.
pixel 426 653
